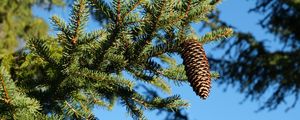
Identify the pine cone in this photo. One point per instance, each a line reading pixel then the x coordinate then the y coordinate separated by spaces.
pixel 196 67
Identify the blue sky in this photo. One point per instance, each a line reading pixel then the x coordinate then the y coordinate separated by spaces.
pixel 220 105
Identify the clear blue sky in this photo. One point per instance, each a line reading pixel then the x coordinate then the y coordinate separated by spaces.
pixel 220 105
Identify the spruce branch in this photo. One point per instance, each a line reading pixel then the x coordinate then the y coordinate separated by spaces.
pixel 150 28
pixel 214 75
pixel 131 9
pixel 101 77
pixel 185 22
pixel 40 47
pixel 169 103
pixel 60 25
pixel 188 8
pixel 139 75
pixel 118 12
pixel 182 17
pixel 85 109
pixel 95 97
pixel 78 19
pixel 160 49
pixel 102 10
pixel 134 111
pixel 130 97
pixel 16 104
pixel 108 43
pixel 152 79
pixel 6 98
pixel 72 73
pixel 78 115
pixel 92 37
pixel 216 34
pixel 135 22
pixel 176 73
pixel 167 59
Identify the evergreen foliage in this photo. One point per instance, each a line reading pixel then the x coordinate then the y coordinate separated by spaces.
pixel 17 22
pixel 67 75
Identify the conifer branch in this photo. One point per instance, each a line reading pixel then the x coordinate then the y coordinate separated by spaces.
pixel 78 19
pixel 135 112
pixel 108 43
pixel 149 33
pixel 118 12
pixel 89 38
pixel 142 102
pixel 75 37
pixel 157 102
pixel 160 49
pixel 188 8
pixel 217 34
pixel 78 115
pixel 131 96
pixel 114 30
pixel 132 8
pixel 186 14
pixel 60 25
pixel 80 70
pixel 40 47
pixel 139 75
pixel 101 77
pixel 6 99
pixel 85 109
pixel 97 101
pixel 133 22
pixel 102 10
pixel 185 21
pixel 164 2
pixel 154 22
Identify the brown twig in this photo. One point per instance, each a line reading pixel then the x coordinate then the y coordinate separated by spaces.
pixel 210 36
pixel 85 109
pixel 186 13
pixel 156 21
pixel 78 21
pixel 118 11
pixel 144 103
pixel 6 99
pixel 131 9
pixel 75 112
pixel 142 20
pixel 188 8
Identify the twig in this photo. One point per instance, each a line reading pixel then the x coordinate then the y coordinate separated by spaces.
pixel 139 21
pixel 78 22
pixel 188 8
pixel 131 9
pixel 6 99
pixel 118 11
pixel 144 103
pixel 76 113
pixel 186 13
pixel 156 21
pixel 85 109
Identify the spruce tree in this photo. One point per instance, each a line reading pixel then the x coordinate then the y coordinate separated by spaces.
pixel 67 75
pixel 17 23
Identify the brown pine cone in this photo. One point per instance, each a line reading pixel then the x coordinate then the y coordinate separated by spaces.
pixel 196 67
